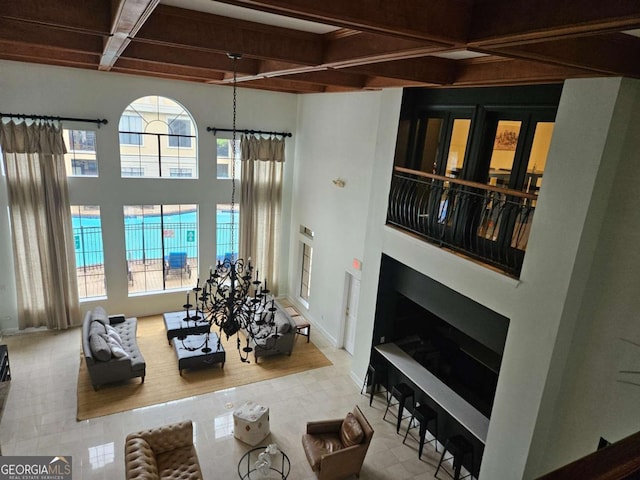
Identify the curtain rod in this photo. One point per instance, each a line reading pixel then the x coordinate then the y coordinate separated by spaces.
pixel 248 132
pixel 99 121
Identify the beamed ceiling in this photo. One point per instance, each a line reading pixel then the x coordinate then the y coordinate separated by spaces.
pixel 306 46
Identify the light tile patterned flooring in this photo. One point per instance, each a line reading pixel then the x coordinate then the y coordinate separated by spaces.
pixel 40 416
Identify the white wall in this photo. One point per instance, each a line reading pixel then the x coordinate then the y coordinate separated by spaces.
pixel 27 88
pixel 337 139
pixel 591 400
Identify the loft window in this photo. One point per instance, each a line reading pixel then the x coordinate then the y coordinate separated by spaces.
pixel 81 158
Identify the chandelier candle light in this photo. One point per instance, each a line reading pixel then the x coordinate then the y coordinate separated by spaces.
pixel 229 298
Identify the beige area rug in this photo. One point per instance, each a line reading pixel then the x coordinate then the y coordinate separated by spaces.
pixel 163 382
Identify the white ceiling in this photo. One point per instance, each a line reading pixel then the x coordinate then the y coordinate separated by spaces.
pixel 232 11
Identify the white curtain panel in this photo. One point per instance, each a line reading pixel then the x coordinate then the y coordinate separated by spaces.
pixel 260 205
pixel 43 247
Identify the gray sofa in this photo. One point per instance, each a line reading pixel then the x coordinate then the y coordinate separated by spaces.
pixel 107 359
pixel 272 345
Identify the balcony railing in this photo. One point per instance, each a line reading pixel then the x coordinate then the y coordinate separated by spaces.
pixel 487 223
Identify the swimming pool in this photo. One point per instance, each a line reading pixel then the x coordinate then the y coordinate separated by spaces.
pixel 150 237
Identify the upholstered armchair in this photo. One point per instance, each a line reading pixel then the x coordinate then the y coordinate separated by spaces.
pixel 336 448
pixel 165 452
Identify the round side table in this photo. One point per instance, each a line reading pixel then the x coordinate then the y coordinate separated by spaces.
pixel 279 469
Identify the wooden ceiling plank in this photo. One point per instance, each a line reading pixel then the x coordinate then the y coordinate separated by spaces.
pixel 502 23
pixel 433 20
pixel 87 15
pixel 361 48
pixel 188 29
pixel 47 55
pixel 285 85
pixel 51 39
pixel 128 18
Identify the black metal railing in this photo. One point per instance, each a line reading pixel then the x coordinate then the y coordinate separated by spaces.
pixel 487 223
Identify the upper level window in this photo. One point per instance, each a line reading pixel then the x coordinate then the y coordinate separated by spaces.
pixel 128 125
pixel 80 159
pixel 182 130
pixel 157 139
pixel 225 163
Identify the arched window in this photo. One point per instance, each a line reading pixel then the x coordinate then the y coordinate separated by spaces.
pixel 158 139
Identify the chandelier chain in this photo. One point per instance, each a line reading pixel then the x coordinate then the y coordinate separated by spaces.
pixel 233 150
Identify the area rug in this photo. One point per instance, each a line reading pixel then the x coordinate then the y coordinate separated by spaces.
pixel 163 382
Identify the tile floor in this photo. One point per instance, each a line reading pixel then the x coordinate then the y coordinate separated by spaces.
pixel 40 416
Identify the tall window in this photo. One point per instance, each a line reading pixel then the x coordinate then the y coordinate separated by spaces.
pixel 225 245
pixel 224 161
pixel 80 159
pixel 87 238
pixel 306 260
pixel 157 136
pixel 305 275
pixel 161 244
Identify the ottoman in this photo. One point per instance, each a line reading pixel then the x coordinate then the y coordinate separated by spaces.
pixel 251 423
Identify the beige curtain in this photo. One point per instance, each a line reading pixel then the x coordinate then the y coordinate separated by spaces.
pixel 260 205
pixel 43 248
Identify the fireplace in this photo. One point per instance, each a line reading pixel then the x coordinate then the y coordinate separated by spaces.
pixel 456 339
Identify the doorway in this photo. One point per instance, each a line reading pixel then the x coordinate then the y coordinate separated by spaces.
pixel 351 312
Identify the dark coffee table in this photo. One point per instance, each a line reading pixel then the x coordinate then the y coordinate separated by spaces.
pixel 190 351
pixel 176 326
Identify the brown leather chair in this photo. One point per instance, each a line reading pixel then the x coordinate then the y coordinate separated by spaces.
pixel 336 448
pixel 165 452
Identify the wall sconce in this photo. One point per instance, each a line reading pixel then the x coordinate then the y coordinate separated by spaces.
pixel 339 183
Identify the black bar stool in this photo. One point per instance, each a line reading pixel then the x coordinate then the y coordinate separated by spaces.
pixel 376 376
pixel 400 392
pixel 423 414
pixel 458 447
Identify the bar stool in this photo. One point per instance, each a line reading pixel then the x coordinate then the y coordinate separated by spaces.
pixel 375 376
pixel 401 392
pixel 423 414
pixel 458 447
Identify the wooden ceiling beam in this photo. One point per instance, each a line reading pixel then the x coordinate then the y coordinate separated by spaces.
pixel 504 23
pixel 430 70
pixel 188 58
pixel 608 54
pixel 195 30
pixel 178 71
pixel 501 71
pixel 92 16
pixel 334 78
pixel 127 18
pixel 433 20
pixel 283 85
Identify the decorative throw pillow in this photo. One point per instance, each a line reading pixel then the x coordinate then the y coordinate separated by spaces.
pixel 282 322
pixel 351 432
pixel 100 315
pixel 116 349
pixel 113 333
pixel 100 347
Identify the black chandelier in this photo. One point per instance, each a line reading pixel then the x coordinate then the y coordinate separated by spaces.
pixel 231 298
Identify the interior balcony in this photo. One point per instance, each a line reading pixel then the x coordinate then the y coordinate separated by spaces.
pixel 485 223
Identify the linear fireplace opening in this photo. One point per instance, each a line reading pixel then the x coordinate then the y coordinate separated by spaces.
pixel 455 338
